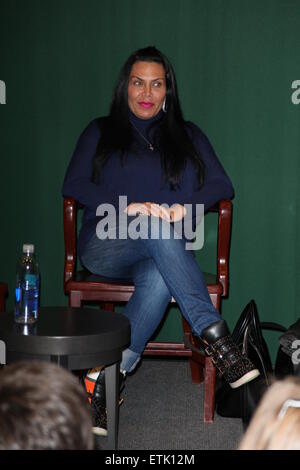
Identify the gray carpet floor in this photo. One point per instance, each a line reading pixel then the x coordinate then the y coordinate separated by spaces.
pixel 163 410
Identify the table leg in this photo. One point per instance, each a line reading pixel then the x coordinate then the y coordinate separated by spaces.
pixel 112 404
pixel 61 361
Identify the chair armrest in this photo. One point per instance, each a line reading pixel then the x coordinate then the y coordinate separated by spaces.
pixel 224 208
pixel 224 234
pixel 70 235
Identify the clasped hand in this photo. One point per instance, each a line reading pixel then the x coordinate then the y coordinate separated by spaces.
pixel 171 214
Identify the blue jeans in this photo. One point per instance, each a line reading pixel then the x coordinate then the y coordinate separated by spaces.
pixel 159 268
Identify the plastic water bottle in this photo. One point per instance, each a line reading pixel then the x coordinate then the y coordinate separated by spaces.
pixel 27 287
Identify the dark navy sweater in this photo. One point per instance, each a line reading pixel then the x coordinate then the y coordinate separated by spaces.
pixel 140 178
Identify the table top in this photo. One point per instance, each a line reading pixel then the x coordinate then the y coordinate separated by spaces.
pixel 66 331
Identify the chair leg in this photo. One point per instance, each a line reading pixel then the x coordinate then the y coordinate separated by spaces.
pixel 107 306
pixel 209 390
pixel 196 372
pixel 75 299
pixel 195 367
pixel 3 293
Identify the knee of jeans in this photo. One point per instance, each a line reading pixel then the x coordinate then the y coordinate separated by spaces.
pixel 160 289
pixel 149 278
pixel 164 236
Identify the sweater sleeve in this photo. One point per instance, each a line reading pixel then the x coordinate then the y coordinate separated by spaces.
pixel 217 185
pixel 77 183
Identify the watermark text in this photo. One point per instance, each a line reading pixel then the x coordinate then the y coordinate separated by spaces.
pixel 115 223
pixel 2 352
pixel 296 354
pixel 295 96
pixel 2 92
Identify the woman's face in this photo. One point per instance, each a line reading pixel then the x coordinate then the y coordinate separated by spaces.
pixel 146 89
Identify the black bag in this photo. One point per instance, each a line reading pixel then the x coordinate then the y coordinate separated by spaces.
pixel 247 334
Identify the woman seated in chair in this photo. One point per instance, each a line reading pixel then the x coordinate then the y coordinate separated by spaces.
pixel 162 166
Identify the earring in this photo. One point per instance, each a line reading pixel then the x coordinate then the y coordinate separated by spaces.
pixel 164 107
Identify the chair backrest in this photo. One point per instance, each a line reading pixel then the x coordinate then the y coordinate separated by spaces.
pixel 224 209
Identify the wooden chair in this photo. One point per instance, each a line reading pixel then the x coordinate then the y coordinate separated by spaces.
pixel 83 286
pixel 3 294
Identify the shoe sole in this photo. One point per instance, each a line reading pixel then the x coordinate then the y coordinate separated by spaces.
pixel 246 378
pixel 99 431
pixel 102 431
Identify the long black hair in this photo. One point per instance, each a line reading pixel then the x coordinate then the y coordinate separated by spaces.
pixel 174 143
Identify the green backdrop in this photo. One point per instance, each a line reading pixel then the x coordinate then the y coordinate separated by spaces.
pixel 235 62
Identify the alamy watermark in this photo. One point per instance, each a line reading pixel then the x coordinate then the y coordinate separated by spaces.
pixel 2 92
pixel 296 354
pixel 117 224
pixel 295 96
pixel 2 352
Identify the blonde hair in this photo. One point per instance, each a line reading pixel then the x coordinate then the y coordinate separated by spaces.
pixel 270 431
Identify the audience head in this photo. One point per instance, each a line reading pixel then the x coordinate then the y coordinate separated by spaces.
pixel 43 406
pixel 276 422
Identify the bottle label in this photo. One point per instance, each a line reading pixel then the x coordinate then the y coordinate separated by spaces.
pixel 31 281
pixel 27 299
pixel 18 294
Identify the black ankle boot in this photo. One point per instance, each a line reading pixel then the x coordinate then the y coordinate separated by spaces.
pixel 98 403
pixel 226 356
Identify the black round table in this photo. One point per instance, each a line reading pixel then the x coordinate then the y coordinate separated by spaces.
pixel 74 338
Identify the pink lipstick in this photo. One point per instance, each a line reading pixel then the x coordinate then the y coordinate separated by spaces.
pixel 146 104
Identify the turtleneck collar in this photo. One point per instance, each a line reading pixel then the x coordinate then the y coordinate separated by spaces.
pixel 144 124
